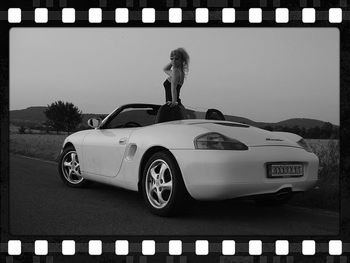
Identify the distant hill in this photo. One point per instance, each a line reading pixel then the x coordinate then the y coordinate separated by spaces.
pixel 35 116
pixel 301 122
pixel 31 114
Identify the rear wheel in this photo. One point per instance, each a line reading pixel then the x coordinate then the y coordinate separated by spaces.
pixel 163 189
pixel 69 168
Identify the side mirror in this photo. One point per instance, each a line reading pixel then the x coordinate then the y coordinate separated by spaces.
pixel 94 123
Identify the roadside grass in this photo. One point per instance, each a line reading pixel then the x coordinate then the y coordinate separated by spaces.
pixel 325 195
pixel 16 130
pixel 43 146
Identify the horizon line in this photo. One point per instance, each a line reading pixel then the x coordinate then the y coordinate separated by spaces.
pixel 267 122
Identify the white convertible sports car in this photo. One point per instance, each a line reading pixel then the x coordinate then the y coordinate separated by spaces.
pixel 206 159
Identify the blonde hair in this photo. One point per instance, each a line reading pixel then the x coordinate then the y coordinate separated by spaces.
pixel 185 58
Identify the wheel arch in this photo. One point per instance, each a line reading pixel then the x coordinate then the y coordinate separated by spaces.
pixel 67 144
pixel 64 146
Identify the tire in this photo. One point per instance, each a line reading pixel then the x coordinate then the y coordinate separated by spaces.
pixel 69 168
pixel 163 189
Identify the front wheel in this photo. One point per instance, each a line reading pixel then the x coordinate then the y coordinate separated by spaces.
pixel 163 189
pixel 69 168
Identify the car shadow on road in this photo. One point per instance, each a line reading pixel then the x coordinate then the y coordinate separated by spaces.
pixel 124 211
pixel 223 210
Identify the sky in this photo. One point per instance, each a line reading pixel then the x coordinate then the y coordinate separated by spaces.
pixel 264 74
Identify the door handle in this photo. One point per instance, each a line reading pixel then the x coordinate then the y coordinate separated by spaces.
pixel 123 140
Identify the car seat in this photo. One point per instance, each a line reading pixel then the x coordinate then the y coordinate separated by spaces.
pixel 167 113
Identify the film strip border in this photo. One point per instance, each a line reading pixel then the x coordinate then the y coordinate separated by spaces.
pixel 178 12
pixel 177 247
pixel 228 15
pixel 185 3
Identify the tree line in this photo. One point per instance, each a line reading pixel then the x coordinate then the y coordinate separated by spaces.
pixel 65 116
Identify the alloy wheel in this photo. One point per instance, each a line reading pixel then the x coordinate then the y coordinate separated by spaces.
pixel 159 183
pixel 71 168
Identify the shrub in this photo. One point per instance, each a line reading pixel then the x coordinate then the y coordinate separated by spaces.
pixel 326 193
pixel 22 130
pixel 63 116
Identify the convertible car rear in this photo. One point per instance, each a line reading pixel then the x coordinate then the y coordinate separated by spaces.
pixel 207 159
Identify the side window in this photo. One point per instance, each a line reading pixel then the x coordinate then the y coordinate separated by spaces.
pixel 133 117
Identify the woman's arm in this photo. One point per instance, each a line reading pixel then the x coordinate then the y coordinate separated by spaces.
pixel 167 69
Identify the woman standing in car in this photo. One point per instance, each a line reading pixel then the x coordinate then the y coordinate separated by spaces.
pixel 176 70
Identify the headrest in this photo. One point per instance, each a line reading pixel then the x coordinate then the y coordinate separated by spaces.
pixel 214 114
pixel 167 113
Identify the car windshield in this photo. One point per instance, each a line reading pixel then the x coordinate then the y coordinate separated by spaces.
pixel 132 117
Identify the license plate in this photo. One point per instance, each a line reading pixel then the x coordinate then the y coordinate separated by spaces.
pixel 285 170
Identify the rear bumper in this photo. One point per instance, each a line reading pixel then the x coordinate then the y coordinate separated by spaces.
pixel 220 174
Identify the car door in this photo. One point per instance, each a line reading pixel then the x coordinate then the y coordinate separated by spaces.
pixel 104 147
pixel 103 151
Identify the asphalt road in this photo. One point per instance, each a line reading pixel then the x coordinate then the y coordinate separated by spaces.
pixel 40 204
